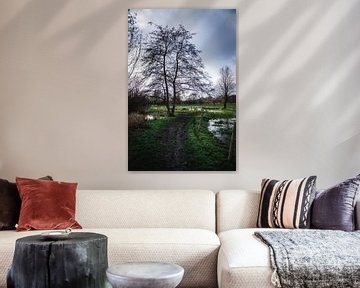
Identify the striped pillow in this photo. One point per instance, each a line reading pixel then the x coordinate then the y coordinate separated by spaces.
pixel 286 204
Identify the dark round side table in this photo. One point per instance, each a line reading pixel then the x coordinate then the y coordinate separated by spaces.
pixel 80 261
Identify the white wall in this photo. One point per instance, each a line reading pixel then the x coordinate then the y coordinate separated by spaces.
pixel 63 92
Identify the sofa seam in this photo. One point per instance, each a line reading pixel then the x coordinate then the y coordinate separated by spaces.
pixel 180 244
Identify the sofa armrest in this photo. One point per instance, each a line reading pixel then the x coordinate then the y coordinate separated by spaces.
pixel 357 215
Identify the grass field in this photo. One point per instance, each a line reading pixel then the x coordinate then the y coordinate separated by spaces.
pixel 183 142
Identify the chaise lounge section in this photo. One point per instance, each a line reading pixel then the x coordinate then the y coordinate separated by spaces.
pixel 244 260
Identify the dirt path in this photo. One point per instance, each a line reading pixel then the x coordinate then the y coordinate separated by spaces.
pixel 174 140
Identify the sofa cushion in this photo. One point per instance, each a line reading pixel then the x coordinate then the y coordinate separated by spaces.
pixel 153 209
pixel 334 208
pixel 286 204
pixel 244 261
pixel 46 204
pixel 194 249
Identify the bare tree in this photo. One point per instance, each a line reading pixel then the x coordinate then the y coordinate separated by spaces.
pixel 133 29
pixel 226 84
pixel 172 61
pixel 137 101
pixel 155 58
pixel 134 43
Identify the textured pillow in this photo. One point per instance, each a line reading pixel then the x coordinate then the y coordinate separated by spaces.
pixel 46 204
pixel 334 208
pixel 286 204
pixel 10 204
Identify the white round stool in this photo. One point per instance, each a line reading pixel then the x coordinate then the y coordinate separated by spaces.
pixel 145 275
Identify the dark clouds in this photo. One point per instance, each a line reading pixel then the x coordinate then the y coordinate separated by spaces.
pixel 215 32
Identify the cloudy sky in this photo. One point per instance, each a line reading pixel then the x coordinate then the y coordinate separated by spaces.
pixel 215 32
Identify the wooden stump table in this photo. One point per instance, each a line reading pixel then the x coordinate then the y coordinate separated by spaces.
pixel 78 261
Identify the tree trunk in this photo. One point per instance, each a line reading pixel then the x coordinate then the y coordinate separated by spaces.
pixel 166 84
pixel 79 261
pixel 174 101
pixel 225 100
pixel 174 84
pixel 167 106
pixel 173 107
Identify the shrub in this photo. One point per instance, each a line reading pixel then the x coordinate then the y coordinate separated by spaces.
pixel 135 119
pixel 138 103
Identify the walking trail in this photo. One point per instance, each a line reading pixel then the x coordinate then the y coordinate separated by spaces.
pixel 173 141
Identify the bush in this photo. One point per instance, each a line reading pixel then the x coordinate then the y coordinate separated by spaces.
pixel 138 104
pixel 135 119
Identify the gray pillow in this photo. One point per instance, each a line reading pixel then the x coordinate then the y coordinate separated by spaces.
pixel 334 208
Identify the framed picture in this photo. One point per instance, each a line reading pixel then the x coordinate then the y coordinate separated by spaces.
pixel 182 89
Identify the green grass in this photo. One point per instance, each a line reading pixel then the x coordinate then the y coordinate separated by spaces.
pixel 145 146
pixel 203 151
pixel 213 110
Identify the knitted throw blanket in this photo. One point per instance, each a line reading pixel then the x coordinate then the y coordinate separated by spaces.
pixel 313 258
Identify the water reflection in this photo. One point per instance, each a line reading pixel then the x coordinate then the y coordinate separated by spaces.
pixel 222 128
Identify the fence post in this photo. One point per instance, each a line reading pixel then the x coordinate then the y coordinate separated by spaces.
pixel 231 140
pixel 201 116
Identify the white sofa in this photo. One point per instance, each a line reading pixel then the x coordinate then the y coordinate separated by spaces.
pixel 243 261
pixel 175 226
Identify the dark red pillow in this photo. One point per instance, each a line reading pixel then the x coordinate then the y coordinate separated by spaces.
pixel 46 204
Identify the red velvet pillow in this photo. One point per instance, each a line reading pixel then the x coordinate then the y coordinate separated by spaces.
pixel 46 204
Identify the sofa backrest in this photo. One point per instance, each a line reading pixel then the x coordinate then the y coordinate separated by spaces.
pixel 239 209
pixel 236 209
pixel 146 209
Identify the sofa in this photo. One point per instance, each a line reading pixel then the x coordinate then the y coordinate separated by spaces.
pixel 243 260
pixel 210 235
pixel 175 226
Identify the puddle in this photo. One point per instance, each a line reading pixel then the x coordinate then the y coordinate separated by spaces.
pixel 221 128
